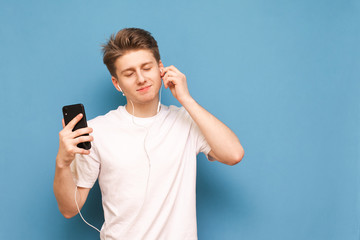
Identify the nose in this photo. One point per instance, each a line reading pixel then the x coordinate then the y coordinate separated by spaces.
pixel 140 77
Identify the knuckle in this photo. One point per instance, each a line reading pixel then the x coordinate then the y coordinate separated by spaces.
pixel 79 132
pixel 72 150
pixel 67 148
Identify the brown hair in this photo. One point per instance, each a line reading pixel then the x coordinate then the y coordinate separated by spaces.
pixel 125 40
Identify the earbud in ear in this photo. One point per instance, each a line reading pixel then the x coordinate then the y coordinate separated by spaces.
pixel 161 72
pixel 121 90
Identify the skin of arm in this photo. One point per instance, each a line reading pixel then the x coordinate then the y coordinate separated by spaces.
pixel 225 145
pixel 64 186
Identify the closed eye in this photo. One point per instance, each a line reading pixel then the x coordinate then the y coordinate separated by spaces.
pixel 129 74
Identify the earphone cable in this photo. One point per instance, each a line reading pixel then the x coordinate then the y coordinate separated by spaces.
pixel 146 152
pixel 77 206
pixel 149 165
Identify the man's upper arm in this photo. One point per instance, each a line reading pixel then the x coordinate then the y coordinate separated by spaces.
pixel 83 192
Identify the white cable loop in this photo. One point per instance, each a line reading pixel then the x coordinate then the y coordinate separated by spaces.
pixel 77 206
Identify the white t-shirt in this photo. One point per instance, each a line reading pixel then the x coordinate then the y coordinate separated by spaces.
pixel 159 206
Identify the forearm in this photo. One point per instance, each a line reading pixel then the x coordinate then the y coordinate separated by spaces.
pixel 64 189
pixel 224 144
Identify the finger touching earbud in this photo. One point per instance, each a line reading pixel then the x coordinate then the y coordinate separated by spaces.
pixel 162 73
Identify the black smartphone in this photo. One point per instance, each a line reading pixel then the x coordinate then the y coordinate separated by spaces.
pixel 71 111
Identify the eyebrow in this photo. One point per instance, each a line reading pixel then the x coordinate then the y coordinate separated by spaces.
pixel 131 68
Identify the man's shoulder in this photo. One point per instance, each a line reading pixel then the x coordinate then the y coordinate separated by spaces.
pixel 106 118
pixel 178 113
pixel 172 109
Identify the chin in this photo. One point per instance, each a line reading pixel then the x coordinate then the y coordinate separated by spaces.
pixel 148 98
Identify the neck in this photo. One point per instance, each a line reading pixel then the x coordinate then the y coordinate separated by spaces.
pixel 142 110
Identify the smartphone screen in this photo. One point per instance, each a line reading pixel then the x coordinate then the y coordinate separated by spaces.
pixel 71 111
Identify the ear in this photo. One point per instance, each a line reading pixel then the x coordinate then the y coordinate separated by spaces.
pixel 161 68
pixel 115 83
pixel 161 65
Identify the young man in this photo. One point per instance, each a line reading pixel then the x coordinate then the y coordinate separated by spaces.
pixel 143 154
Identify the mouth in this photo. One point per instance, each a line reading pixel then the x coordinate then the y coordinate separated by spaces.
pixel 144 89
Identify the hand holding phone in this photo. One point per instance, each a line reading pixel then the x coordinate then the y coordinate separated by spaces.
pixel 70 112
pixel 74 137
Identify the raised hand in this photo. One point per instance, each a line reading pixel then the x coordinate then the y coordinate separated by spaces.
pixel 68 141
pixel 176 81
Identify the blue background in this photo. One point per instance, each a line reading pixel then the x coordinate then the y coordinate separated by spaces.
pixel 284 75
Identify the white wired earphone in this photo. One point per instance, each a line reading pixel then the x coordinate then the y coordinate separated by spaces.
pixel 147 155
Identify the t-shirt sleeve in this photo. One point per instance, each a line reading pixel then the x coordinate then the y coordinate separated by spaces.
pixel 85 169
pixel 200 142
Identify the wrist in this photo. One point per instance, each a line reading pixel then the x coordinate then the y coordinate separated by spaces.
pixel 187 101
pixel 61 164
